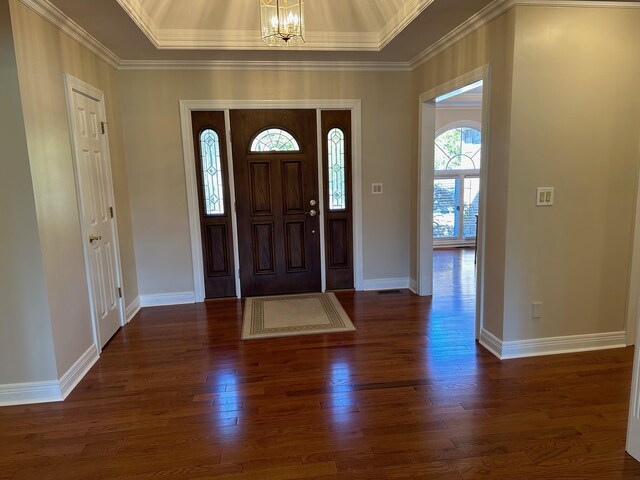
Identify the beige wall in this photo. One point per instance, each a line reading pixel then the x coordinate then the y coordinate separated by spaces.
pixel 446 116
pixel 156 170
pixel 43 55
pixel 491 44
pixel 575 126
pixel 565 112
pixel 26 346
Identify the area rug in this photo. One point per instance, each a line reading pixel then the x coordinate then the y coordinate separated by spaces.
pixel 285 315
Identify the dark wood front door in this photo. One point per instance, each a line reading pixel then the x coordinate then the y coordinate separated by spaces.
pixel 277 204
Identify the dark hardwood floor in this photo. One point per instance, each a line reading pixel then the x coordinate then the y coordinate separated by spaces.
pixel 177 395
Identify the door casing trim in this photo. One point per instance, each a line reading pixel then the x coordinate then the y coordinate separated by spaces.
pixel 188 106
pixel 424 221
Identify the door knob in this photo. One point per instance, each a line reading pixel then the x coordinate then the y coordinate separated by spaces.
pixel 93 238
pixel 313 213
pixel 313 203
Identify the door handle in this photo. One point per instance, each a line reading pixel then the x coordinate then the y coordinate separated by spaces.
pixel 93 238
pixel 311 213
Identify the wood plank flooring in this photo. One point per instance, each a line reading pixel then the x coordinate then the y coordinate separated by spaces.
pixel 177 395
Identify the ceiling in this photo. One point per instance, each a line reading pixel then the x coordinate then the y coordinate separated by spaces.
pixel 228 30
pixel 367 31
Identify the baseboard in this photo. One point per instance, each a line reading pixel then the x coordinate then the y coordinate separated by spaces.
pixel 413 285
pixel 31 392
pixel 551 345
pixel 568 344
pixel 492 343
pixel 385 283
pixel 132 309
pixel 78 370
pixel 162 299
pixel 49 391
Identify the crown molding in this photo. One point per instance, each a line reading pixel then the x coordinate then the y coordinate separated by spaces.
pixel 264 65
pixel 400 20
pixel 59 19
pixel 142 19
pixel 186 39
pixel 493 11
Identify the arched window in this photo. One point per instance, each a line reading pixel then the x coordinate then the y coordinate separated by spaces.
pixel 458 149
pixel 337 181
pixel 274 140
pixel 211 173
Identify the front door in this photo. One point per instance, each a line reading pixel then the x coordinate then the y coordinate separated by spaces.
pixel 96 207
pixel 277 204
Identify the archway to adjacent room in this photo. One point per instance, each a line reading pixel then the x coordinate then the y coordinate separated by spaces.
pixel 452 183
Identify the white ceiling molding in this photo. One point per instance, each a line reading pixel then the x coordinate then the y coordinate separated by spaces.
pixel 141 18
pixel 493 11
pixel 171 39
pixel 268 65
pixel 56 17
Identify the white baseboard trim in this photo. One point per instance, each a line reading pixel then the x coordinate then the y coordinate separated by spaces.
pixel 49 391
pixel 413 285
pixel 385 283
pixel 492 343
pixel 568 344
pixel 31 392
pixel 78 370
pixel 551 345
pixel 163 299
pixel 131 310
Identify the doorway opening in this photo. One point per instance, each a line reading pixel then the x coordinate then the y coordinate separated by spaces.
pixel 452 185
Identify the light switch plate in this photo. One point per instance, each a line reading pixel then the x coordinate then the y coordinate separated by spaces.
pixel 544 196
pixel 376 189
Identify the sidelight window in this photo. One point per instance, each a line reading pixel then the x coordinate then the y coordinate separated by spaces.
pixel 274 140
pixel 211 173
pixel 337 180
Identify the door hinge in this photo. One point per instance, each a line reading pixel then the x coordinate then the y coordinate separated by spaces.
pixel 119 292
pixel 111 211
pixel 102 125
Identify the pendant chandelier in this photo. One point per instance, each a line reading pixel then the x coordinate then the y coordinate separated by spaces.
pixel 282 22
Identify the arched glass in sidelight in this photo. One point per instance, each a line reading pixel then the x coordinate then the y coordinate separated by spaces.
pixel 337 170
pixel 211 173
pixel 274 140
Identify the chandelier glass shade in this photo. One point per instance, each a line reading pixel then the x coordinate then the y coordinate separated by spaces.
pixel 282 22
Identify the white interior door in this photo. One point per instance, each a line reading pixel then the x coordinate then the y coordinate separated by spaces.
pixel 633 425
pixel 94 190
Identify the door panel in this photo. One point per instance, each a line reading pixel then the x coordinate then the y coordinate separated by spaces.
pixel 336 160
pixel 278 239
pixel 209 138
pixel 96 207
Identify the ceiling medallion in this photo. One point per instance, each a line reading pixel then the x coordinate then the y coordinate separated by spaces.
pixel 282 22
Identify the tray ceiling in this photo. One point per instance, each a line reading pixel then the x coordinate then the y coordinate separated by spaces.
pixel 341 31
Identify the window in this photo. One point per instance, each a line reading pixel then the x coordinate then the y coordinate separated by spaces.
pixel 458 149
pixel 456 184
pixel 337 182
pixel 274 140
pixel 211 173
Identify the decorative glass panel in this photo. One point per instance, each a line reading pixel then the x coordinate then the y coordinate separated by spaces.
pixel 274 140
pixel 211 173
pixel 458 149
pixel 337 182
